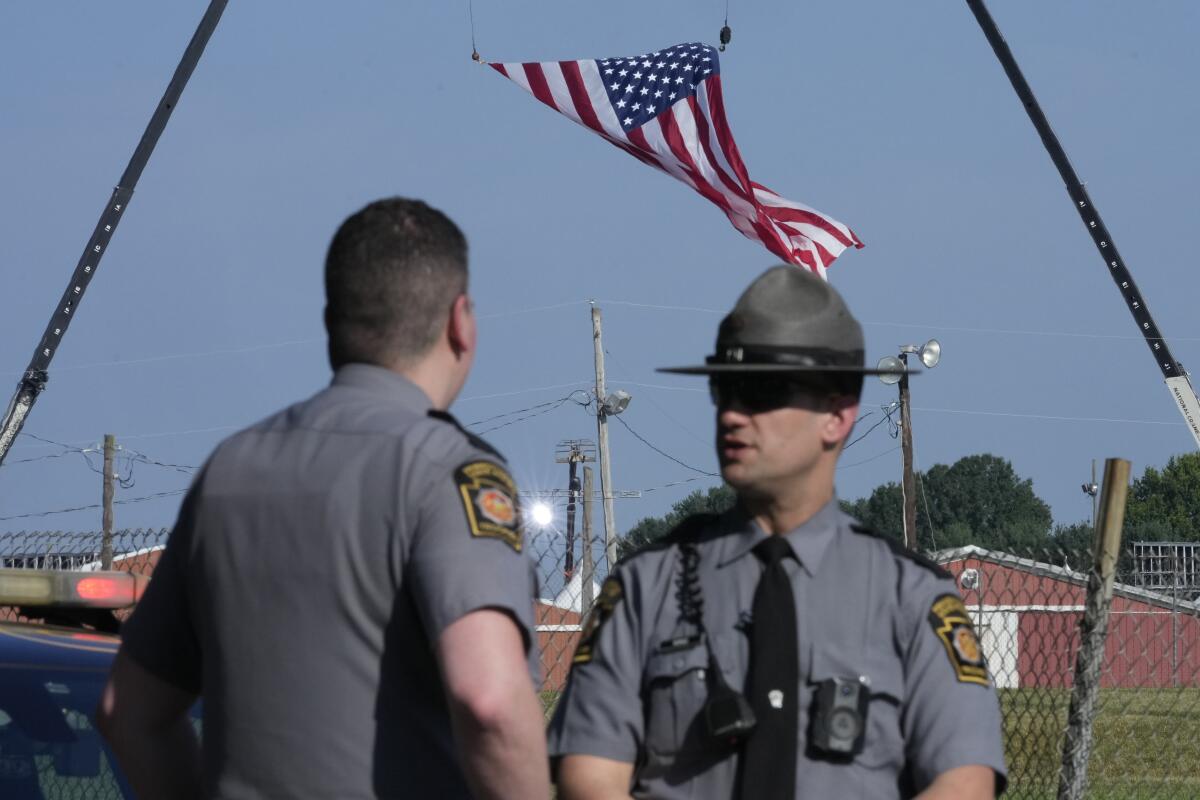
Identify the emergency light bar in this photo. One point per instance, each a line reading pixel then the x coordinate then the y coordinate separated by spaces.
pixel 62 589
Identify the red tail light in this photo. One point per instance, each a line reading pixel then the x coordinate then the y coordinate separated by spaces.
pixel 104 589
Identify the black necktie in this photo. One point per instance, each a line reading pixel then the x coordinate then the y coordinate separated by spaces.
pixel 768 766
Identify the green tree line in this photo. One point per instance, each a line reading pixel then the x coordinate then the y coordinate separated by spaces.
pixel 981 500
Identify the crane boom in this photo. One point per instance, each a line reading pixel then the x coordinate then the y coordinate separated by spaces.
pixel 1173 373
pixel 33 381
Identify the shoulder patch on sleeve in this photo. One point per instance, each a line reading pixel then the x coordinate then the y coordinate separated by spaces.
pixel 610 594
pixel 478 442
pixel 902 551
pixel 950 621
pixel 489 497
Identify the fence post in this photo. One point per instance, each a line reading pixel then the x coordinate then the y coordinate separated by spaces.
pixel 1093 629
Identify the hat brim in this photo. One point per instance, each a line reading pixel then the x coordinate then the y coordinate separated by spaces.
pixel 817 369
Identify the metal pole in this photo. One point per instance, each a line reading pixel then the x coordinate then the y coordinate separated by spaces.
pixel 588 567
pixel 106 550
pixel 1174 617
pixel 37 373
pixel 1176 378
pixel 572 496
pixel 610 531
pixel 1093 631
pixel 908 487
pixel 1095 495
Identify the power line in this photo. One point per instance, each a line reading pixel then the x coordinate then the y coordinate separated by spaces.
pixel 1054 418
pixel 655 403
pixel 544 408
pixel 49 441
pixel 37 458
pixel 1006 332
pixel 924 327
pixel 532 310
pixel 868 460
pixel 143 499
pixel 626 303
pixel 131 457
pixel 656 307
pixel 671 484
pixel 641 439
pixel 887 417
pixel 523 391
pixel 554 403
pixel 142 458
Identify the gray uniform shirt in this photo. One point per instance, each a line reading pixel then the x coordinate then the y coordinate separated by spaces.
pixel 315 562
pixel 864 608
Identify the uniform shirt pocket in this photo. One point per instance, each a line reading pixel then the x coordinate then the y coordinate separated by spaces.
pixel 883 746
pixel 675 690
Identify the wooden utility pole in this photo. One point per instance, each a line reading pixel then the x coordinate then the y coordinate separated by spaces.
pixel 908 486
pixel 106 549
pixel 589 569
pixel 1093 629
pixel 606 491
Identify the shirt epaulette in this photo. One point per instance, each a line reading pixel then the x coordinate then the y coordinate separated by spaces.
pixel 479 442
pixel 687 530
pixel 902 551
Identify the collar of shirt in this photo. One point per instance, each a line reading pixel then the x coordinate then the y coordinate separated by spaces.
pixel 808 541
pixel 385 383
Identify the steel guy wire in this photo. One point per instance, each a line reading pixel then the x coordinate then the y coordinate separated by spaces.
pixel 928 517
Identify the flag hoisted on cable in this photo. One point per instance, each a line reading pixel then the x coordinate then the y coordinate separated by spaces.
pixel 665 108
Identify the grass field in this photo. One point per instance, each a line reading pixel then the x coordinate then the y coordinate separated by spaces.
pixel 1146 743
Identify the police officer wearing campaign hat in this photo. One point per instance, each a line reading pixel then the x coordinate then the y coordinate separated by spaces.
pixel 781 649
pixel 346 586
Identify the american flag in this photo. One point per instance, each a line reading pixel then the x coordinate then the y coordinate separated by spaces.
pixel 665 109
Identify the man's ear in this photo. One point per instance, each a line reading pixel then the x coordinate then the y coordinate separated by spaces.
pixel 460 327
pixel 841 416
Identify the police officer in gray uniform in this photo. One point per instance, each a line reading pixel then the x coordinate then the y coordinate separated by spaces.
pixel 781 649
pixel 345 586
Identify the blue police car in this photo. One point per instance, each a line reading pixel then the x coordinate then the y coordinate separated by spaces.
pixel 57 641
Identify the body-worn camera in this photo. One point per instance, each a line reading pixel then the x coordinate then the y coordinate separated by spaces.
pixel 839 716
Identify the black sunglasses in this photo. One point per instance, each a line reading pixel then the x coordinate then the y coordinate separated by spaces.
pixel 758 393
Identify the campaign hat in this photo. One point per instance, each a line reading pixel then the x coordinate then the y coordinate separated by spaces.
pixel 788 321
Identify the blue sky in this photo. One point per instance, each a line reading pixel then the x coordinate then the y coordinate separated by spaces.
pixel 894 118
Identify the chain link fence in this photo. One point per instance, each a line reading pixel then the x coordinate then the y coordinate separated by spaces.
pixel 130 550
pixel 1027 608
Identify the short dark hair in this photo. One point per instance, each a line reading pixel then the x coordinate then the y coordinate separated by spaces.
pixel 391 275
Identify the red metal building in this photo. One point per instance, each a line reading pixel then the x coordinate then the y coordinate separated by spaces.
pixel 1028 615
